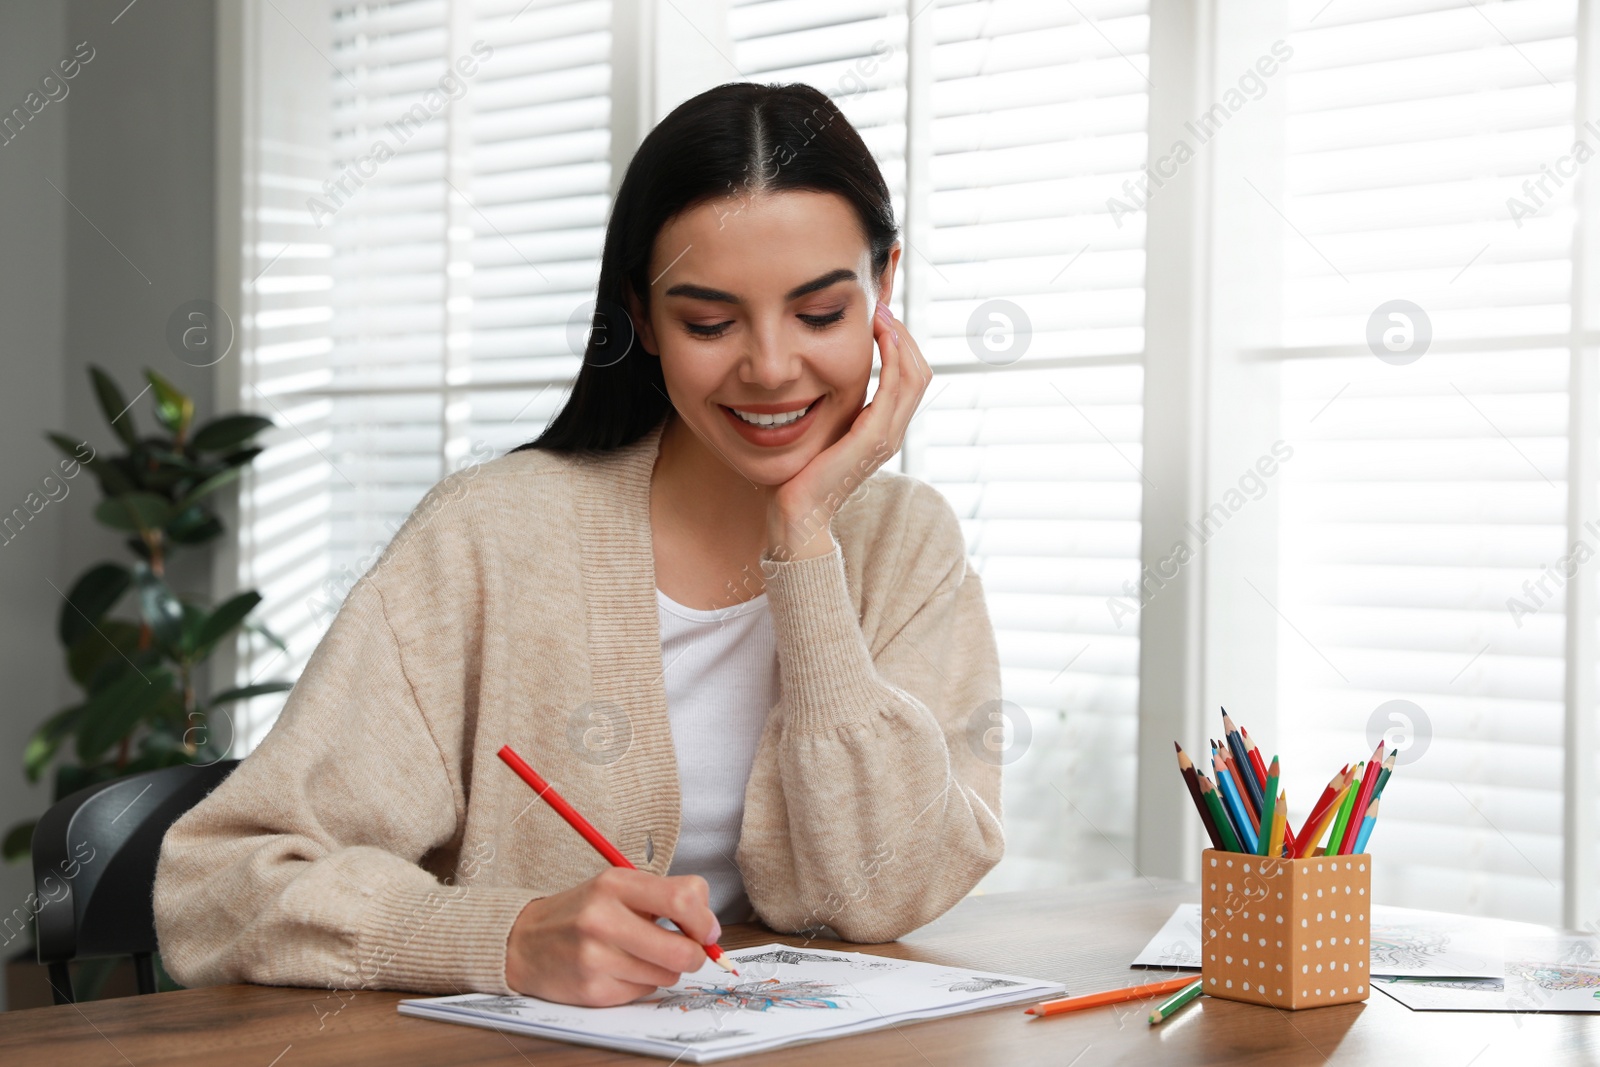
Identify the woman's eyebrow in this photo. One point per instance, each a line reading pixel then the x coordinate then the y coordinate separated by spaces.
pixel 701 292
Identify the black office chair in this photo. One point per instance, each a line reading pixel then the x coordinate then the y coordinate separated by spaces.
pixel 94 868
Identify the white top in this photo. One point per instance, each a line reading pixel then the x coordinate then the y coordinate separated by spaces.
pixel 720 669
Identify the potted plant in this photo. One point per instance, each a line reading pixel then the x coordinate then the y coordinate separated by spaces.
pixel 146 695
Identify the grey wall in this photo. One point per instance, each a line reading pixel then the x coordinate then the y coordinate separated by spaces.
pixel 90 281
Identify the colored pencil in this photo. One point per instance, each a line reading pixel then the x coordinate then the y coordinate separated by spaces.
pixel 1191 778
pixel 1252 789
pixel 1235 806
pixel 1335 784
pixel 1280 819
pixel 1342 817
pixel 1366 826
pixel 1255 758
pixel 1111 996
pixel 1230 839
pixel 1269 812
pixel 1308 844
pixel 1261 776
pixel 1176 1001
pixel 1358 811
pixel 1383 779
pixel 585 828
pixel 1238 780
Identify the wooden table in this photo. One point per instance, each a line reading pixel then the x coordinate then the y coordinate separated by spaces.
pixel 1082 936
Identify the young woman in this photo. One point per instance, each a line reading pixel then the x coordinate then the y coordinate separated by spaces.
pixel 761 669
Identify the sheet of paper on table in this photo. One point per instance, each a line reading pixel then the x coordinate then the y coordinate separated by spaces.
pixel 1405 942
pixel 782 996
pixel 1545 974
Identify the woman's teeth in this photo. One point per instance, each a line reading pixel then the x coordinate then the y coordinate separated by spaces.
pixel 772 420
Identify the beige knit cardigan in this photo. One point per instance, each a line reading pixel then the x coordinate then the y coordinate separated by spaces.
pixel 374 839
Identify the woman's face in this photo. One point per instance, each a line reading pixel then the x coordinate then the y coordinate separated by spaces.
pixel 762 307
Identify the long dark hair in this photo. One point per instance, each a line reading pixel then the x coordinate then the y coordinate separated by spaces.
pixel 740 138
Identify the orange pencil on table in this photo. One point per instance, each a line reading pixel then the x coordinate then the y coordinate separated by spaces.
pixel 590 834
pixel 1111 996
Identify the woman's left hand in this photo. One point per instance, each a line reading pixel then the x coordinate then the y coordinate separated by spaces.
pixel 801 510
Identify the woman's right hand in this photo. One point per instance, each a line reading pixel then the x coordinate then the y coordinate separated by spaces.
pixel 598 944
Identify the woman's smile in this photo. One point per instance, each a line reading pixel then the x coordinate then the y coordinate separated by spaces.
pixel 773 425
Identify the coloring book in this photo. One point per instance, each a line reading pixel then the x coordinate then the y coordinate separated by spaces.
pixel 782 996
pixel 1547 974
pixel 1405 942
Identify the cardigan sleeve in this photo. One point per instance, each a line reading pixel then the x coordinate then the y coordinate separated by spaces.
pixel 302 866
pixel 874 805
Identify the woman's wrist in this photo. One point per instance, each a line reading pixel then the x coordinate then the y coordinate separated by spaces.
pixel 795 538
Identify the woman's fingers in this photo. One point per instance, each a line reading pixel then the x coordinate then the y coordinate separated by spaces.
pixel 905 383
pixel 685 900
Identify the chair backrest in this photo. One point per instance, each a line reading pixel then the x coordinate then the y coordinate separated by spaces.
pixel 94 861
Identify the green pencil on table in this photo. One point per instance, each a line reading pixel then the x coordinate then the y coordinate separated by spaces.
pixel 1176 1001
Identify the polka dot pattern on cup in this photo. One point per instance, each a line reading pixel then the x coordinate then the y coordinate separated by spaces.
pixel 1246 901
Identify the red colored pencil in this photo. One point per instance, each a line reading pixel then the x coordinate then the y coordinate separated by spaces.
pixel 1325 799
pixel 584 827
pixel 1363 798
pixel 1330 796
pixel 1255 758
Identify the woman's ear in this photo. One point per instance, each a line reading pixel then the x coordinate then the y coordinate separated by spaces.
pixel 886 279
pixel 641 323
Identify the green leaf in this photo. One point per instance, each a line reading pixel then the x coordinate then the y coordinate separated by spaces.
pixel 195 526
pixel 174 409
pixel 230 431
pixel 223 621
pixel 116 474
pixel 134 512
pixel 111 641
pixel 116 711
pixel 114 406
pixel 242 457
pixel 209 486
pixel 160 607
pixel 248 691
pixel 91 597
pixel 270 637
pixel 42 746
pixel 19 841
pixel 70 447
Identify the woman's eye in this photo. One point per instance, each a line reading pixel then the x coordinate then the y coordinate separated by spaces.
pixel 820 321
pixel 708 331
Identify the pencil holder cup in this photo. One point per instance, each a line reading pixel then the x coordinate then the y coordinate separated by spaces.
pixel 1292 933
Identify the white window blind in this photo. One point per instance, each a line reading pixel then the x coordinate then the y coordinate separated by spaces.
pixel 1422 495
pixel 1036 119
pixel 1032 121
pixel 442 220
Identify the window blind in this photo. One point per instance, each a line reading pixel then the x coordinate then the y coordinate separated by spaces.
pixel 1423 493
pixel 443 219
pixel 1037 118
